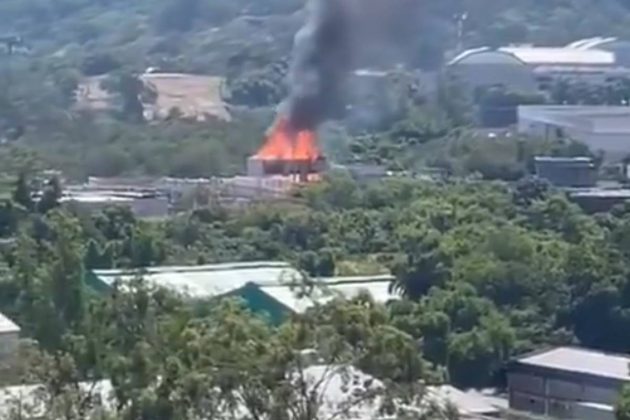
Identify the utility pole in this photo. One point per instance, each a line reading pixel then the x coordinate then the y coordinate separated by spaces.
pixel 461 22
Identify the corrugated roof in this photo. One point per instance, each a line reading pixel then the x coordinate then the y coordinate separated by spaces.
pixel 550 56
pixel 579 360
pixel 566 56
pixel 328 289
pixel 584 44
pixel 485 55
pixel 7 326
pixel 205 281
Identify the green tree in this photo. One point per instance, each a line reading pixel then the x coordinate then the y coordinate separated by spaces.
pixel 132 92
pixel 22 193
pixel 622 408
pixel 51 196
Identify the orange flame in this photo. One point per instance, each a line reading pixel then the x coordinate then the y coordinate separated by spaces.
pixel 285 144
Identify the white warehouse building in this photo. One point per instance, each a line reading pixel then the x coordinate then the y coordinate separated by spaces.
pixel 532 68
pixel 601 128
pixel 9 338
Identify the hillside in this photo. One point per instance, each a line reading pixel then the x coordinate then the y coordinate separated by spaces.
pixel 59 45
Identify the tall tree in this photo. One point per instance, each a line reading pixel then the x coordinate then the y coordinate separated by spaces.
pixel 22 193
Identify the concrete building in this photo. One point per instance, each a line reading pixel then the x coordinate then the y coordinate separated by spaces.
pixel 366 172
pixel 141 204
pixel 566 382
pixel 577 172
pixel 9 338
pixel 601 128
pixel 273 289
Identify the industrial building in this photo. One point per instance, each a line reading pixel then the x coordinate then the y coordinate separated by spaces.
pixel 568 382
pixel 601 128
pixel 528 68
pixel 573 172
pixel 273 289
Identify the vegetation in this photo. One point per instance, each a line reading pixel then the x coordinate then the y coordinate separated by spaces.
pixel 487 271
pixel 489 262
pixel 622 410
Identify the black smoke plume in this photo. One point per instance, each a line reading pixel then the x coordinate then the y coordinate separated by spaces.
pixel 321 59
pixel 339 36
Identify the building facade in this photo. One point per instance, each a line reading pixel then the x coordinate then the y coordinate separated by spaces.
pixel 567 383
pixel 574 172
pixel 601 128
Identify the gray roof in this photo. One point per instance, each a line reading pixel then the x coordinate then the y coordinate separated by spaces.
pixel 7 326
pixel 580 360
pixel 205 281
pixel 561 159
pixel 467 403
pixel 378 287
pixel 618 193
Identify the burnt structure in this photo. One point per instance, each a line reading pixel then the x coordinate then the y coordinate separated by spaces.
pixel 301 168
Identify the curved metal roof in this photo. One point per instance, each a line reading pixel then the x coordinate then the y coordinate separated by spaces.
pixel 486 55
pixel 528 55
pixel 590 43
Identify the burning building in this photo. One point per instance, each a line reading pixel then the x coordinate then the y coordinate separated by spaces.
pixel 288 151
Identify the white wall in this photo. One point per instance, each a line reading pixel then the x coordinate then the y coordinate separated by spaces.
pixel 9 343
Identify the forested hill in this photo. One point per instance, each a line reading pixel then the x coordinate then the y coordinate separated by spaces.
pixel 181 33
pixel 48 49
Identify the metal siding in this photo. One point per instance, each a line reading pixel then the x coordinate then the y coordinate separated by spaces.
pixel 529 403
pixel 557 388
pixel 526 383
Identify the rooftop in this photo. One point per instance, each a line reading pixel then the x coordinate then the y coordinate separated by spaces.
pixel 584 361
pixel 536 56
pixel 554 55
pixel 556 159
pixel 467 403
pixel 330 288
pixel 205 281
pixel 587 110
pixel 7 326
pixel 618 193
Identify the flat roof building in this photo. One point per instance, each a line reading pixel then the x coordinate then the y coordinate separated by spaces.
pixel 273 289
pixel 141 204
pixel 201 281
pixel 596 200
pixel 568 382
pixel 601 128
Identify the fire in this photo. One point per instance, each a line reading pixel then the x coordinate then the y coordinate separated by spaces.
pixel 283 143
